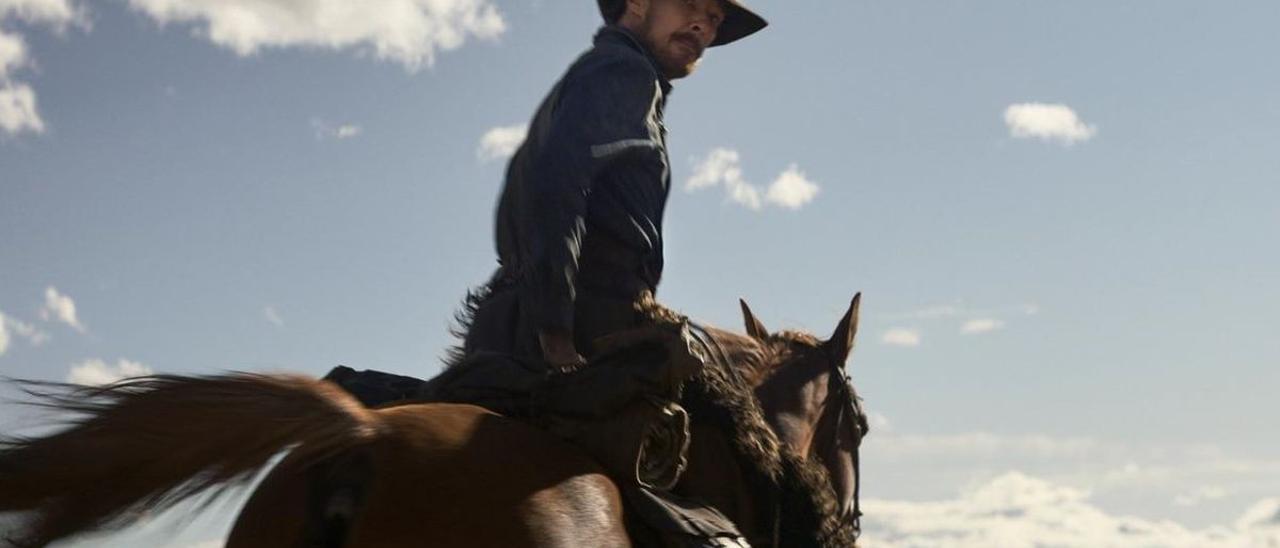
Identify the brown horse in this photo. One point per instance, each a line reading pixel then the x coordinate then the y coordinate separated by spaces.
pixel 444 475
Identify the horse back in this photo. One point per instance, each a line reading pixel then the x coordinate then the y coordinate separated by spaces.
pixel 441 475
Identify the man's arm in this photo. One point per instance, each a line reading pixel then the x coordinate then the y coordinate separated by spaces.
pixel 605 113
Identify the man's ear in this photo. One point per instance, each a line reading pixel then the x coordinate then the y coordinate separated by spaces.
pixel 637 8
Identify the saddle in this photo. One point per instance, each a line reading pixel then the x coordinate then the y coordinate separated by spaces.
pixel 620 409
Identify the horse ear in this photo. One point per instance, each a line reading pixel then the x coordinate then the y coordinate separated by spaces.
pixel 841 342
pixel 755 329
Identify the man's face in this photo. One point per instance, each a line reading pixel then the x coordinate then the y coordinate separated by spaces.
pixel 675 31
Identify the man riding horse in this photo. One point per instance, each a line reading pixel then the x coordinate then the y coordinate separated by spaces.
pixel 579 222
pixel 580 251
pixel 579 238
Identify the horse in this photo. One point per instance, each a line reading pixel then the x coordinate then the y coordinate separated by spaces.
pixel 439 474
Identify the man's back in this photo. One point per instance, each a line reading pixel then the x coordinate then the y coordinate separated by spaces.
pixel 581 210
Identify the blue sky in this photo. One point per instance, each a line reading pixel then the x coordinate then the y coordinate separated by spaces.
pixel 1060 215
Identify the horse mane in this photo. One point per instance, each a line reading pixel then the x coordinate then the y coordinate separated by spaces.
pixel 463 319
pixel 801 488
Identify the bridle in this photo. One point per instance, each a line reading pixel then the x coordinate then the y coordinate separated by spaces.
pixel 849 414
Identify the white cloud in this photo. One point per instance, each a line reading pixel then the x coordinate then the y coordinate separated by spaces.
pixel 13 52
pixel 1047 122
pixel 500 143
pixel 899 336
pixel 4 336
pixel 323 130
pixel 273 316
pixel 792 189
pixel 61 308
pixel 410 32
pixel 722 167
pixel 18 112
pixel 57 13
pixel 879 423
pixel 1262 517
pixel 1015 510
pixel 31 333
pixel 981 325
pixel 18 105
pixel 96 372
pixel 347 131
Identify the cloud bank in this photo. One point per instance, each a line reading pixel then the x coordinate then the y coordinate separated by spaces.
pixel 1016 510
pixel 409 32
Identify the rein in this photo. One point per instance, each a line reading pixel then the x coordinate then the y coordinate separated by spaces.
pixel 839 383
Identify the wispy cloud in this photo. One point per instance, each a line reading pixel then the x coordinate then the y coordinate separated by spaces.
pixel 722 167
pixel 1194 498
pixel 978 326
pixel 272 316
pixel 500 143
pixel 324 130
pixel 19 112
pixel 409 32
pixel 32 334
pixel 95 372
pixel 1047 122
pixel 1018 510
pixel 900 336
pixel 59 307
pixel 974 321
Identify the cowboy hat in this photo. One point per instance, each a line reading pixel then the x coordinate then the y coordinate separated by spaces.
pixel 739 20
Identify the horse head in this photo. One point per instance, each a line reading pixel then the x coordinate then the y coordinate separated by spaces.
pixel 809 401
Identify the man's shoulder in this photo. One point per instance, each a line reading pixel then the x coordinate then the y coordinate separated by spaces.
pixel 614 62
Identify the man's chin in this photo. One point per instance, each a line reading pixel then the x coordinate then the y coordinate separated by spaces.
pixel 678 71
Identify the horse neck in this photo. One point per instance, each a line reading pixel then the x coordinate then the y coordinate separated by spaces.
pixel 749 358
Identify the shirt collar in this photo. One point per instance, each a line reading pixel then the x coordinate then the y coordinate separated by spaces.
pixel 616 34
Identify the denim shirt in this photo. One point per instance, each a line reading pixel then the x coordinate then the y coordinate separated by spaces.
pixel 584 195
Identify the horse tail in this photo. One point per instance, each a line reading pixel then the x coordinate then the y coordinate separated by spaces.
pixel 145 444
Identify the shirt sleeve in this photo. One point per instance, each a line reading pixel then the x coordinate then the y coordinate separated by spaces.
pixel 606 112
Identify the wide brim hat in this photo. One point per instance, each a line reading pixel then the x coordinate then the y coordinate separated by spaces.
pixel 739 21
